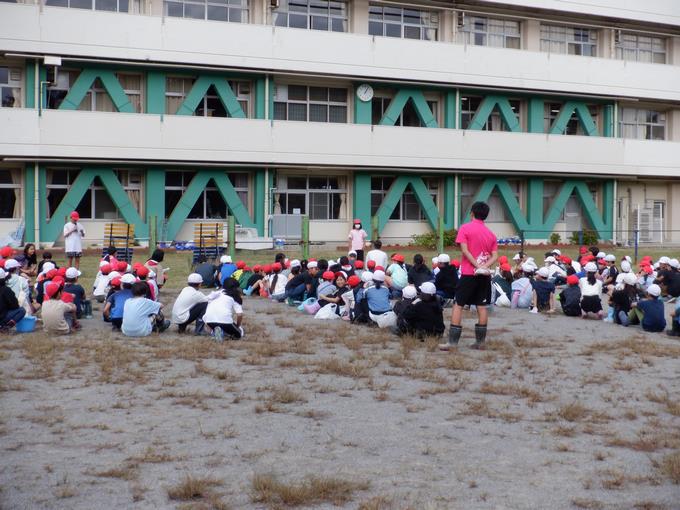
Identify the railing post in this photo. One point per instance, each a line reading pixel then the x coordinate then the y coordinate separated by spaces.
pixel 580 237
pixel 440 235
pixel 153 234
pixel 521 238
pixel 305 237
pixel 636 235
pixel 231 236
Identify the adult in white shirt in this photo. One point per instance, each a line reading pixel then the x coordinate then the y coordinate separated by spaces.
pixel 190 305
pixel 223 315
pixel 73 239
pixel 377 255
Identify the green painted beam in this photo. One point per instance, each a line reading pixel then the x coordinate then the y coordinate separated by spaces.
pixel 363 110
pixel 608 127
pixel 425 201
pixel 450 109
pixel 260 98
pixel 224 92
pixel 259 191
pixel 237 208
pixel 534 208
pixel 29 93
pixel 362 199
pixel 29 202
pixel 602 223
pixel 449 202
pixel 122 202
pixel 582 114
pixel 155 92
pixel 396 107
pixel 395 193
pixel 84 82
pixel 486 108
pixel 535 115
pixel 507 198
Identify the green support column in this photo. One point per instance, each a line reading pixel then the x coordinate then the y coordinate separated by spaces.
pixel 582 114
pixel 534 209
pixel 42 201
pixel 29 96
pixel 305 237
pixel 154 197
pixel 396 107
pixel 608 120
pixel 260 98
pixel 84 82
pixel 155 92
pixel 272 85
pixel 29 202
pixel 259 194
pixel 362 198
pixel 450 109
pixel 231 236
pixel 608 201
pixel 486 108
pixel 363 111
pixel 449 202
pixel 535 114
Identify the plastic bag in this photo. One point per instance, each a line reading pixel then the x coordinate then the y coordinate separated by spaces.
pixel 327 312
pixel 385 320
pixel 311 306
pixel 502 298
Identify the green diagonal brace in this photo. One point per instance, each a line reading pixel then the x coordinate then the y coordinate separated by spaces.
pixel 507 197
pixel 224 92
pixel 85 81
pixel 602 223
pixel 582 114
pixel 398 103
pixel 487 106
pixel 395 194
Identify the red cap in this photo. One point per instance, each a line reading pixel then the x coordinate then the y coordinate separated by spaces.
pixel 398 257
pixel 51 274
pixel 51 289
pixel 583 250
pixel 379 268
pixel 502 259
pixel 506 267
pixel 2 263
pixel 328 275
pixel 648 269
pixel 61 271
pixel 257 267
pixel 247 269
pixel 455 263
pixel 105 269
pixel 359 264
pixel 371 264
pixel 353 281
pixel 122 266
pixel 267 268
pixel 287 264
pixel 572 279
pixel 142 271
pixel 67 297
pixel 276 267
pixel 6 252
pixel 566 259
pixel 240 264
pixel 75 215
pixel 58 279
pixel 357 220
pixel 115 282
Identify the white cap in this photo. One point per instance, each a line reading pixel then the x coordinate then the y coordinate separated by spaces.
pixel 443 258
pixel 3 274
pixel 72 272
pixel 543 272
pixel 662 260
pixel 630 278
pixel 295 263
pixel 128 278
pixel 656 266
pixel 627 257
pixel 366 276
pixel 194 278
pixel 349 253
pixel 675 263
pixel 528 268
pixel 152 274
pixel 11 264
pixel 224 259
pixel 654 290
pixel 610 258
pixel 428 288
pixel 102 263
pixel 557 252
pixel 113 274
pixel 591 267
pixel 625 266
pixel 128 269
pixel 312 264
pixel 600 255
pixel 47 266
pixel 516 257
pixel 550 258
pixel 379 276
pixel 409 292
pixel 435 260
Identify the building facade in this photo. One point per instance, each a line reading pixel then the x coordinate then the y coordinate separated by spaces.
pixel 564 116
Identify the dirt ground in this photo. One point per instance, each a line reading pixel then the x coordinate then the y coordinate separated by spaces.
pixel 557 413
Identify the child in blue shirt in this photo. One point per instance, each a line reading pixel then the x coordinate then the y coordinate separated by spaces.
pixel 141 315
pixel 650 312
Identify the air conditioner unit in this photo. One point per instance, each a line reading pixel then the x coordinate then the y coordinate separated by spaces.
pixel 461 19
pixel 51 73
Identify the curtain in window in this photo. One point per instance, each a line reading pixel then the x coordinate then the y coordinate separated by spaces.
pixel 132 84
pixel 15 174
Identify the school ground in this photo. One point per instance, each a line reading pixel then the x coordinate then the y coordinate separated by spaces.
pixel 557 413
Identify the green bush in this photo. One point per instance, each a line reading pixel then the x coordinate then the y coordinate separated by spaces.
pixel 555 238
pixel 429 240
pixel 589 238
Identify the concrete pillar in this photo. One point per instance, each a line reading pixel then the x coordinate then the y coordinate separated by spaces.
pixel 358 17
pixel 673 56
pixel 153 7
pixel 673 125
pixel 605 43
pixel 447 23
pixel 531 35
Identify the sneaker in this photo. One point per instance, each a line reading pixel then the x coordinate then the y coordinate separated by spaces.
pixel 533 310
pixel 164 326
pixel 447 347
pixel 218 334
pixel 10 324
pixel 608 320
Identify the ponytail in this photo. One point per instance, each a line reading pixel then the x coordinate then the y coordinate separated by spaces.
pixel 591 279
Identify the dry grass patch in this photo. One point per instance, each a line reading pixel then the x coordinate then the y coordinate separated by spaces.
pixel 285 395
pixel 377 503
pixel 125 472
pixel 193 488
pixel 334 366
pixel 313 490
pixel 512 389
pixel 573 412
pixel 588 504
pixel 670 466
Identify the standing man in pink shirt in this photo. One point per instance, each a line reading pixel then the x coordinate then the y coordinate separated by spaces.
pixel 479 250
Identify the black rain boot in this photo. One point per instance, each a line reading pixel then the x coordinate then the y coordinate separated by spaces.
pixel 454 336
pixel 676 329
pixel 480 337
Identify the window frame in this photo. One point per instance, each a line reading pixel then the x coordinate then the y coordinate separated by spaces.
pixel 235 85
pixel 467 33
pixel 243 191
pixel 283 190
pixel 385 98
pixel 15 86
pixel 620 49
pixel 637 123
pixel 423 27
pixel 243 8
pixel 574 127
pixel 550 32
pixel 494 118
pixel 132 5
pixel 282 97
pixel 18 187
pixel 284 11
pixel 401 211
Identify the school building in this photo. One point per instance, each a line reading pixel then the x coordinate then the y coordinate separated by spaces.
pixel 563 115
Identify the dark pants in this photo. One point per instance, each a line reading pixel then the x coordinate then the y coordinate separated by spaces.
pixel 117 323
pixel 297 293
pixel 360 254
pixel 13 315
pixel 227 329
pixel 196 312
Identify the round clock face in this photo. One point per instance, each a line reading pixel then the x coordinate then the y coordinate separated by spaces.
pixel 365 92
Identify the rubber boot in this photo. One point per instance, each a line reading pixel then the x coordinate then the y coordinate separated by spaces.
pixel 454 337
pixel 480 337
pixel 675 331
pixel 200 326
pixel 610 315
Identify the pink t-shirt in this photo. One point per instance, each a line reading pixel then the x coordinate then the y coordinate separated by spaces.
pixel 358 238
pixel 481 243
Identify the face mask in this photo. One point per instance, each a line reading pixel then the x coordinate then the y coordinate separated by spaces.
pixel 357 226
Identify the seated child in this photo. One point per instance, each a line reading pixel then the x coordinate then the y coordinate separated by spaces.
pixel 141 315
pixel 649 312
pixel 424 317
pixel 543 298
pixel 622 299
pixel 522 290
pixel 190 305
pixel 378 296
pixel 73 287
pixel 10 311
pixel 224 312
pixel 58 316
pixel 326 287
pixel 408 295
pixel 277 283
pixel 101 282
pixel 340 288
pixel 591 288
pixel 115 303
pixel 570 297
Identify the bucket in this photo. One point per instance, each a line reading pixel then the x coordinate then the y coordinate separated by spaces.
pixel 26 325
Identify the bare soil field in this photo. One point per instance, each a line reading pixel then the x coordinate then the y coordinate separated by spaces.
pixel 557 413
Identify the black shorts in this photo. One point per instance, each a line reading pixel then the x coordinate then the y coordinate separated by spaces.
pixel 74 254
pixel 474 290
pixel 591 304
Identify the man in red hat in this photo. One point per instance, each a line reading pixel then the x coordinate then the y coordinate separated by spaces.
pixel 73 239
pixel 357 239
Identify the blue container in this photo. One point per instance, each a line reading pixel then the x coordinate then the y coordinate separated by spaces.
pixel 26 325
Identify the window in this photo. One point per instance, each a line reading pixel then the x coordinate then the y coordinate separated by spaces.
pixel 569 40
pixel 311 104
pixel 408 23
pixel 10 193
pixel 321 197
pixel 210 204
pixel 10 86
pixel 408 208
pixel 177 89
pixel 498 33
pixel 311 14
pixel 497 210
pixel 470 105
pixel 408 117
pixel 641 48
pixel 217 10
pixel 96 99
pixel 99 5
pixel 96 203
pixel 574 127
pixel 642 124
